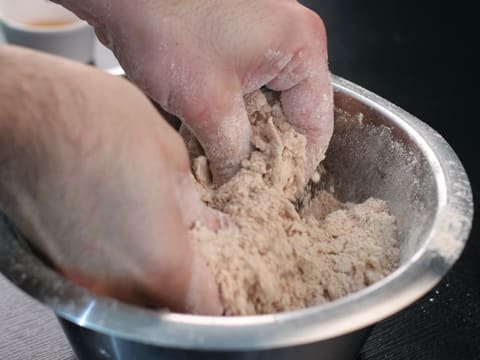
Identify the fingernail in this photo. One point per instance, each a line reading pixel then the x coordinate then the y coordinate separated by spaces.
pixel 224 221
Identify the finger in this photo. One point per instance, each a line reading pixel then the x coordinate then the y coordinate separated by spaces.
pixel 202 296
pixel 218 119
pixel 174 273
pixel 191 287
pixel 184 285
pixel 307 96
pixel 193 209
pixel 103 35
pixel 309 108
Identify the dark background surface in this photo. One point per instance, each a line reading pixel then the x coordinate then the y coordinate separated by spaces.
pixel 420 56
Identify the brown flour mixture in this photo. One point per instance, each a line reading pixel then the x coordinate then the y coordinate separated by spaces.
pixel 273 257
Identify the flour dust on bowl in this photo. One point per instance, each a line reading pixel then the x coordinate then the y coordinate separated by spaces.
pixel 377 150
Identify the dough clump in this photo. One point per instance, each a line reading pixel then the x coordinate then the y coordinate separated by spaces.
pixel 283 249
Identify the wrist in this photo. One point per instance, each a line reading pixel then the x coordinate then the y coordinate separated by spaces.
pixel 107 13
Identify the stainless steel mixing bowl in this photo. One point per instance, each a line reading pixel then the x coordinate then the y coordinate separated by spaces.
pixel 377 150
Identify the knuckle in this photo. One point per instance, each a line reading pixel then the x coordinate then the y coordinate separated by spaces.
pixel 310 25
pixel 316 24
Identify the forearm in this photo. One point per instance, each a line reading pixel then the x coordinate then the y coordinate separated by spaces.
pixel 22 149
pixel 18 108
pixel 36 98
pixel 101 13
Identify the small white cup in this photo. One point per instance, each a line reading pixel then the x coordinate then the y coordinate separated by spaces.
pixel 42 25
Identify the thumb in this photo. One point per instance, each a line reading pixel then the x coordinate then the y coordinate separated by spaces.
pixel 189 287
pixel 202 294
pixel 193 209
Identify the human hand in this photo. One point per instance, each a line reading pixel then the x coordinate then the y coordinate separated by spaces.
pixel 100 184
pixel 197 58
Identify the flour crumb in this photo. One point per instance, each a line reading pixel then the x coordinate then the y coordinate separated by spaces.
pixel 316 177
pixel 275 255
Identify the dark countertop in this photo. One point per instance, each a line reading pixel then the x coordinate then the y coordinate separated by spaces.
pixel 419 55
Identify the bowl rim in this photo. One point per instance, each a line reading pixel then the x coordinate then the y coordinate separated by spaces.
pixel 444 244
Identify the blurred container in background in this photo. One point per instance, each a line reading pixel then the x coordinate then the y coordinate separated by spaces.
pixel 42 25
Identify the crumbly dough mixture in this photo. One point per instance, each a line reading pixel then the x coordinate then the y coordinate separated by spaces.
pixel 275 255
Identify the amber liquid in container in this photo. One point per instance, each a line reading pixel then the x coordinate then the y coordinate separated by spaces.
pixel 50 23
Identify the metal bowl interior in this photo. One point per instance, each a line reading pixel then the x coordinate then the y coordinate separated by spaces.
pixel 377 150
